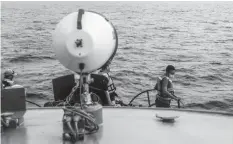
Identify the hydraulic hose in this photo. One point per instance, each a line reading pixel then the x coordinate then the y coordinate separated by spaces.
pixel 94 127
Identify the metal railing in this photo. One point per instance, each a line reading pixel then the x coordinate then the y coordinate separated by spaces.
pixel 148 97
pixel 150 104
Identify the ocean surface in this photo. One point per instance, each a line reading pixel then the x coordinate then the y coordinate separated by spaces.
pixel 195 37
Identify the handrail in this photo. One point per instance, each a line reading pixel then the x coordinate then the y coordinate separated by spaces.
pixel 33 103
pixel 148 98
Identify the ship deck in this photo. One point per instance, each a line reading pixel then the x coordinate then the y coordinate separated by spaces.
pixel 128 126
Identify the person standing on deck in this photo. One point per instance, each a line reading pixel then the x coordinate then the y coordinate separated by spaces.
pixel 165 88
pixel 111 87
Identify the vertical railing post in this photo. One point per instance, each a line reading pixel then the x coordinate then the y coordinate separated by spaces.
pixel 148 97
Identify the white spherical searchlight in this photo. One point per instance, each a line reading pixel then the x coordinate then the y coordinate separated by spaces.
pixel 84 41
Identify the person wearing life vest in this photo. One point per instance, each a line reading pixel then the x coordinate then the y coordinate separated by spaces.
pixel 111 87
pixel 8 80
pixel 165 89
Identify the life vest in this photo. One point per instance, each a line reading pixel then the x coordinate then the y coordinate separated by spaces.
pixel 7 83
pixel 111 86
pixel 158 87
